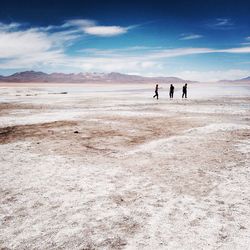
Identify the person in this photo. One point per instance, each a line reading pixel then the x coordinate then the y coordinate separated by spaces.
pixel 156 92
pixel 184 91
pixel 171 91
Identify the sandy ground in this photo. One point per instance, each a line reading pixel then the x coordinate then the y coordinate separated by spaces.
pixel 109 167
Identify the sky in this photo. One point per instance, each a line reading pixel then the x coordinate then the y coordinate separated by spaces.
pixel 195 40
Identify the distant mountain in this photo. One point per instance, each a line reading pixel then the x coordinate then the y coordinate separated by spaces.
pixel 25 76
pixel 242 80
pixel 113 77
pixel 246 79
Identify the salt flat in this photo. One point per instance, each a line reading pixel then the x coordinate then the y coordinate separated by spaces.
pixel 109 167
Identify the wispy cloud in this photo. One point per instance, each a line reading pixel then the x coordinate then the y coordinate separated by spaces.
pixel 22 46
pixel 150 61
pixel 190 36
pixel 247 41
pixel 221 24
pixel 23 43
pixel 236 50
pixel 119 52
pixel 245 44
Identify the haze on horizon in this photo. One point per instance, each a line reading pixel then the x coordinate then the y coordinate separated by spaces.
pixel 192 40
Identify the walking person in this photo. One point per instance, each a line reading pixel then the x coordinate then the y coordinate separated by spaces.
pixel 171 91
pixel 156 92
pixel 184 91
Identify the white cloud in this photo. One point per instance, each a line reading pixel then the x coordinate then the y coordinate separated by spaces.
pixel 92 28
pixel 23 43
pixel 105 30
pixel 236 50
pixel 190 36
pixel 11 26
pixel 248 38
pixel 30 47
pixel 80 23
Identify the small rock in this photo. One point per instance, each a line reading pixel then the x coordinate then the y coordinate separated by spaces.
pixel 76 132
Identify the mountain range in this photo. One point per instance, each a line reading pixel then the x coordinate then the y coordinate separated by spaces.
pixel 113 77
pixel 242 80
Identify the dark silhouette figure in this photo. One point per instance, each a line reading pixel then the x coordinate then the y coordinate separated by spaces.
pixel 156 92
pixel 184 91
pixel 171 91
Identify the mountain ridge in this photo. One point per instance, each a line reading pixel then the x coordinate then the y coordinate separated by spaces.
pixel 112 77
pixel 241 80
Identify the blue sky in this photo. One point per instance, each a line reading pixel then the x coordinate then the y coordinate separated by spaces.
pixel 196 40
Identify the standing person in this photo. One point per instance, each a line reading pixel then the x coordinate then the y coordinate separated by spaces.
pixel 184 91
pixel 156 92
pixel 171 91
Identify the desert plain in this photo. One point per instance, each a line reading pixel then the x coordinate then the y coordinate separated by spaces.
pixel 106 166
